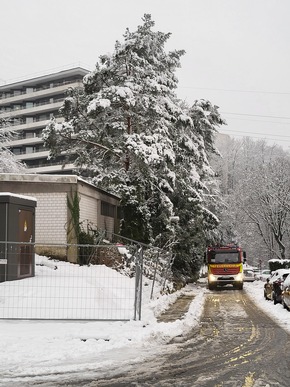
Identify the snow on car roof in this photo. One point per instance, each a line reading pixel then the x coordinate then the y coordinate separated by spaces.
pixel 279 273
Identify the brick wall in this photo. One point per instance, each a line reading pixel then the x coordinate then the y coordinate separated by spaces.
pixel 88 211
pixel 50 217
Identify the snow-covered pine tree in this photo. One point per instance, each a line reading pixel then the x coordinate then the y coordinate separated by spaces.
pixel 120 126
pixel 133 137
pixel 196 197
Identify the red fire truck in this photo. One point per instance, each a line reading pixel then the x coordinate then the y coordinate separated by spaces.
pixel 225 266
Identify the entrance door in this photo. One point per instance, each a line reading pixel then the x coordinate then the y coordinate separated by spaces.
pixel 26 250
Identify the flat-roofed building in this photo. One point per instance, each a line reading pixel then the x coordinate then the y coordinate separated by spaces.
pixel 29 104
pixel 54 218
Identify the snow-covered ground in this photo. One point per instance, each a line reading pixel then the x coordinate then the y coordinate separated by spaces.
pixel 37 348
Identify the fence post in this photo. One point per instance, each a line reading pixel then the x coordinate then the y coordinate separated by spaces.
pixel 170 260
pixel 154 275
pixel 138 284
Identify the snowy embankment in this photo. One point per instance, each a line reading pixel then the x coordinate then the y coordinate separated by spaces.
pixel 255 291
pixel 37 348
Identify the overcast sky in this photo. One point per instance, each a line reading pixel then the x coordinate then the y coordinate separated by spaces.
pixel 237 51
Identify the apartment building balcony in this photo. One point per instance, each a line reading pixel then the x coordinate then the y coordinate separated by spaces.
pixel 20 141
pixel 36 94
pixel 38 109
pixel 53 168
pixel 33 125
pixel 38 154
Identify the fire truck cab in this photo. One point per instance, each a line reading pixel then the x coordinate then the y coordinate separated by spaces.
pixel 225 266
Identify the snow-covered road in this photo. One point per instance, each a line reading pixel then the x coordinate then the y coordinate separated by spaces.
pixel 38 350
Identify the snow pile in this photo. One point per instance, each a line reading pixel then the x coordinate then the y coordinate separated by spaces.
pixel 62 290
pixel 37 348
pixel 255 291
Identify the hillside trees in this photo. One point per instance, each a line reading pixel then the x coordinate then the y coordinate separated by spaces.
pixel 267 205
pixel 256 186
pixel 133 137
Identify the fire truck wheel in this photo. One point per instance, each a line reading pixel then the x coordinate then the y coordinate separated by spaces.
pixel 239 286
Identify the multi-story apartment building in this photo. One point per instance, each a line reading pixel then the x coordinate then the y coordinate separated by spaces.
pixel 29 104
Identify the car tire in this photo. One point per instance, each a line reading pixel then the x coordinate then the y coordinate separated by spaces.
pixel 284 305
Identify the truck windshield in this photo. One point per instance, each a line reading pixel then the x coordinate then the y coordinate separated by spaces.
pixel 224 257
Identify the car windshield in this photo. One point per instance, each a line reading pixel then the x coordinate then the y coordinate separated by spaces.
pixel 224 257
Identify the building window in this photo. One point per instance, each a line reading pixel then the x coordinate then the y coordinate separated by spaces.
pixel 30 149
pixel 16 151
pixel 108 209
pixel 30 134
pixel 44 117
pixel 17 121
pixel 119 213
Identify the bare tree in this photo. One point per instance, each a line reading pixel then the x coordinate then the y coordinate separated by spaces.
pixel 258 202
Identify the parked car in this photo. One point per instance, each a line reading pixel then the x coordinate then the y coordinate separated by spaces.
pixel 276 282
pixel 249 275
pixel 286 293
pixel 256 271
pixel 263 275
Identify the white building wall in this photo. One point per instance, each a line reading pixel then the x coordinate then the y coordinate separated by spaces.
pixel 50 217
pixel 89 211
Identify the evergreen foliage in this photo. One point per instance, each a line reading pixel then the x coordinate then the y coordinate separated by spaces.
pixel 133 137
pixel 84 239
pixel 276 264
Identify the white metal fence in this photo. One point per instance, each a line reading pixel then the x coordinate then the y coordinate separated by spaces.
pixel 55 289
pixel 36 286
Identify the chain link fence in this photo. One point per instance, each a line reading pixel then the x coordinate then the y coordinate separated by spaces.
pixel 78 282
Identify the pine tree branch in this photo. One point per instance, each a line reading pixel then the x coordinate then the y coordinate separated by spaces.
pixel 89 142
